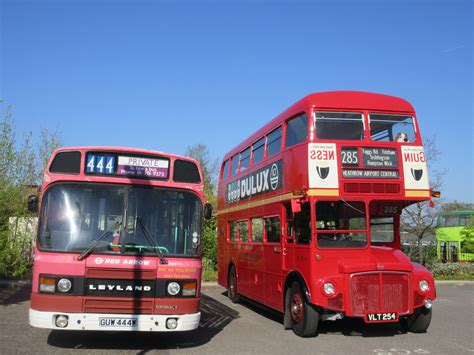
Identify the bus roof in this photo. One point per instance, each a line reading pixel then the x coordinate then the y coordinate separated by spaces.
pixel 330 100
pixel 125 150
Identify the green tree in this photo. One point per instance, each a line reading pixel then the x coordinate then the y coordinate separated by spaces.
pixel 210 168
pixel 467 244
pixel 21 168
pixel 420 219
pixel 456 206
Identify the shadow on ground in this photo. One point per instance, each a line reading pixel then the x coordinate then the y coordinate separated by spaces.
pixel 15 293
pixel 214 317
pixel 345 326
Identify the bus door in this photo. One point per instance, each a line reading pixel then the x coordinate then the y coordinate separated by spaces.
pixel 287 240
pixel 299 249
pixel 272 267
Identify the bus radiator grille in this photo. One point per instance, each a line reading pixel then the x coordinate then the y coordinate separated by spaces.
pixel 379 292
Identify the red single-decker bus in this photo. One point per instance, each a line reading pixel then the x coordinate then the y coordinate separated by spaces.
pixel 118 245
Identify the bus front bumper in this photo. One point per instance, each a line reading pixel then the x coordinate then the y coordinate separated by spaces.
pixel 114 322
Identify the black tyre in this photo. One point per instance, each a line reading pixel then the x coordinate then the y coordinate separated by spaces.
pixel 419 321
pixel 232 286
pixel 304 318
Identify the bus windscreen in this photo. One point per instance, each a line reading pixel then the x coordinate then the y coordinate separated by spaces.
pixel 341 224
pixel 74 215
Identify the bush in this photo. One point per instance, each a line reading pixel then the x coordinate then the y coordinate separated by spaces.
pixel 458 271
pixel 209 243
pixel 16 260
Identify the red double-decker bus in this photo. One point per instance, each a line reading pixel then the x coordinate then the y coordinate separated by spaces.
pixel 118 244
pixel 309 213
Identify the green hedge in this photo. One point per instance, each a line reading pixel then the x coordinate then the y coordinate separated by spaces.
pixel 453 271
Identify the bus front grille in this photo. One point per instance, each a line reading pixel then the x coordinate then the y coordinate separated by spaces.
pixel 379 292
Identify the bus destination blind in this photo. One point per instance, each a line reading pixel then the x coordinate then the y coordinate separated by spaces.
pixel 128 166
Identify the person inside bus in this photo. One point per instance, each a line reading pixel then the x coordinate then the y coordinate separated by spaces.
pixel 401 137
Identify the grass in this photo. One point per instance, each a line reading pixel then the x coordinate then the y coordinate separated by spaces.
pixel 209 274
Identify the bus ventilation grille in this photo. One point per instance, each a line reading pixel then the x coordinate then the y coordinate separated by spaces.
pixel 368 188
pixel 379 292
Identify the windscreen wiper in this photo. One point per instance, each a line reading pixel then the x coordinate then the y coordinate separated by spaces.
pixel 155 247
pixel 94 243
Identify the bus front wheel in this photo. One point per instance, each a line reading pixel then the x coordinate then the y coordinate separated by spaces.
pixel 304 318
pixel 232 286
pixel 419 321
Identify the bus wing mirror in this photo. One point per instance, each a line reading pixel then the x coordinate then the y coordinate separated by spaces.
pixel 207 211
pixel 33 203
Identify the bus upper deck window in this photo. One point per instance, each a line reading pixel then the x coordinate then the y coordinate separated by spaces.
pixel 225 170
pixel 296 130
pixel 274 142
pixel 235 165
pixel 339 125
pixel 245 159
pixel 258 149
pixel 392 128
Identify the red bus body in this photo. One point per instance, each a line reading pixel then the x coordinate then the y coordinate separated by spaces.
pixel 111 289
pixel 386 176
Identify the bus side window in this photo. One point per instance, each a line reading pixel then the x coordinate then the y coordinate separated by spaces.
pixel 225 170
pixel 296 130
pixel 243 228
pixel 235 165
pixel 232 231
pixel 257 230
pixel 272 229
pixel 274 142
pixel 245 159
pixel 258 149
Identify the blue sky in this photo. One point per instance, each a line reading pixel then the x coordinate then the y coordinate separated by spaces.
pixel 168 74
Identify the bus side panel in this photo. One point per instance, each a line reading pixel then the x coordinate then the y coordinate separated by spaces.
pixel 222 252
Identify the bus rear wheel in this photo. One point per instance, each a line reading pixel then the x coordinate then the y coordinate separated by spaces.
pixel 304 318
pixel 232 286
pixel 419 321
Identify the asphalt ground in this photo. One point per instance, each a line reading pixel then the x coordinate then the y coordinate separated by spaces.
pixel 246 328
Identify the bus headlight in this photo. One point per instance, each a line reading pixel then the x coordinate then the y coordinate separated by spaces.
pixel 329 289
pixel 424 285
pixel 173 288
pixel 64 285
